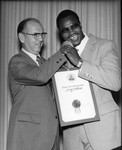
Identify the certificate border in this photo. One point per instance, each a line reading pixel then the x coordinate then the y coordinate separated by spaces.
pixel 81 121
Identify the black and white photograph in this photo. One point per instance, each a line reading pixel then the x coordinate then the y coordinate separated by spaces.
pixel 60 75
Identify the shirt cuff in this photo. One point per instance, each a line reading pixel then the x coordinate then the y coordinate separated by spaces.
pixel 80 64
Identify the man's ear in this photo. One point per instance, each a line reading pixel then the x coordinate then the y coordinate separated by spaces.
pixel 21 37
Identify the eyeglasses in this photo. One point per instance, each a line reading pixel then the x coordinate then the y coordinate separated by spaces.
pixel 72 27
pixel 37 35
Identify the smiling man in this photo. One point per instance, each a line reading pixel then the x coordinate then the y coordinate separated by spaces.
pixel 70 29
pixel 98 63
pixel 33 121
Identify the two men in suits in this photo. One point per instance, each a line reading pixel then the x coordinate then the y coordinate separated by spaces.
pixel 98 63
pixel 33 121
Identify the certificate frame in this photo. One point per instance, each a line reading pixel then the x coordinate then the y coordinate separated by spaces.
pixel 75 98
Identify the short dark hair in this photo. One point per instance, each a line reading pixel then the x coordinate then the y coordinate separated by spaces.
pixel 64 14
pixel 23 23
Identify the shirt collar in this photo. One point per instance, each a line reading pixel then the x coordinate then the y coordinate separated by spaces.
pixel 30 54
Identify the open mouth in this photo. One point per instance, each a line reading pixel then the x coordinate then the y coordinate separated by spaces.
pixel 74 37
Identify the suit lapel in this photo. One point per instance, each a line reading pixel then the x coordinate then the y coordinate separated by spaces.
pixel 89 48
pixel 28 58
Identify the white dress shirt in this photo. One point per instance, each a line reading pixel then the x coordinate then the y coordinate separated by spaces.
pixel 82 45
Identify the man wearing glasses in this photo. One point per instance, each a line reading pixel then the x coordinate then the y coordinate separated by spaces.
pixel 33 119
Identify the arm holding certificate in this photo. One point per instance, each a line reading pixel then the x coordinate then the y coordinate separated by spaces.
pixel 84 95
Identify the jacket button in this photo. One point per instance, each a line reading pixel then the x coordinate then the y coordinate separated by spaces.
pixel 56 117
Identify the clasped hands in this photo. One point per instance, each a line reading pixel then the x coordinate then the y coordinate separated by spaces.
pixel 72 55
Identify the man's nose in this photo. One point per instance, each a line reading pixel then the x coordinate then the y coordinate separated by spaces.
pixel 71 29
pixel 40 38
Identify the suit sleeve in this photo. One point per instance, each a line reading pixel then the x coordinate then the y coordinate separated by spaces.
pixel 105 72
pixel 29 74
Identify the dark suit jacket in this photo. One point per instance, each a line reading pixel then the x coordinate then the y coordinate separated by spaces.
pixel 33 118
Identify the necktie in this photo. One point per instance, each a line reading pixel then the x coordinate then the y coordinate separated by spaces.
pixel 39 60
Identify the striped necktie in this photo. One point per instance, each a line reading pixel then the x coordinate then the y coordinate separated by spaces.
pixel 39 60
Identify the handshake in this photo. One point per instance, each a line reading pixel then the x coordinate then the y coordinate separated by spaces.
pixel 71 53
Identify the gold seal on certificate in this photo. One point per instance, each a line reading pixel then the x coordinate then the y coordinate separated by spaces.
pixel 76 104
pixel 75 98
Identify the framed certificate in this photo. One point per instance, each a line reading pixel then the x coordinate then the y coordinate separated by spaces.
pixel 75 98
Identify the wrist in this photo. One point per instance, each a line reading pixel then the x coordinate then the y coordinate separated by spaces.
pixel 80 63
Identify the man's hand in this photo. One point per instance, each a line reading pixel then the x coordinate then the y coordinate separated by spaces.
pixel 71 54
pixel 65 47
